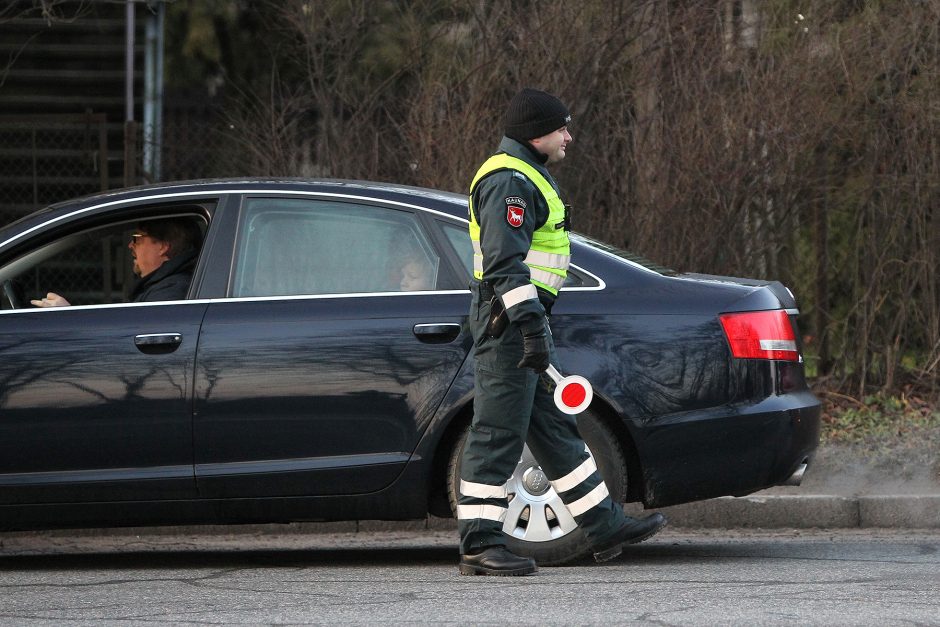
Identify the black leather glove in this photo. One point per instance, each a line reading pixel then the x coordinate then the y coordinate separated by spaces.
pixel 535 349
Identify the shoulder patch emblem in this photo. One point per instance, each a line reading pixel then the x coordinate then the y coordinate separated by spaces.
pixel 515 211
pixel 515 215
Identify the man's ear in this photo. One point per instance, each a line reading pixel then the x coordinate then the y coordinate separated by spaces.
pixel 165 249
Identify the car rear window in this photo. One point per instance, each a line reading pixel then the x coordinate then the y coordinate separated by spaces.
pixel 627 255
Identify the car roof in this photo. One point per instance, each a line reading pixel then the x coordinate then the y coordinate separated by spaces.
pixel 448 203
pixel 456 203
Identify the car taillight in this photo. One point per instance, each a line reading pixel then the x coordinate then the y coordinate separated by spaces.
pixel 761 335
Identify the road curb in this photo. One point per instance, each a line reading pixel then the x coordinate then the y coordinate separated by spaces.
pixel 791 511
pixel 754 512
pixel 770 511
pixel 908 512
pixel 807 511
pixel 767 512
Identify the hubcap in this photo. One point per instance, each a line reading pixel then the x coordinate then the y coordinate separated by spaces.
pixel 536 512
pixel 535 481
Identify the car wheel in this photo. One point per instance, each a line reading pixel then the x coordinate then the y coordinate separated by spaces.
pixel 538 524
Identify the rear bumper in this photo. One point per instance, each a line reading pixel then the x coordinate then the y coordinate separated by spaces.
pixel 730 450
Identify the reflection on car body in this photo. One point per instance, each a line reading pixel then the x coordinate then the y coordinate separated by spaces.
pixel 311 374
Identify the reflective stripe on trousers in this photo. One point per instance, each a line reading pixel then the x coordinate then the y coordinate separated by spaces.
pixel 513 406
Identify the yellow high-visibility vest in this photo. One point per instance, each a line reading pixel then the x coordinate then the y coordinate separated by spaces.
pixel 550 251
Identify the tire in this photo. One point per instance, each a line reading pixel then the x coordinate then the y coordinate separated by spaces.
pixel 539 525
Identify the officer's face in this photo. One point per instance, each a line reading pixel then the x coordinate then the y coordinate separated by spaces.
pixel 553 144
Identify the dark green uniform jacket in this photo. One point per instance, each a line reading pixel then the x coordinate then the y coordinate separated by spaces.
pixel 505 242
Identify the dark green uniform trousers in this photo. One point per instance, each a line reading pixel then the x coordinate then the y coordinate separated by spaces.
pixel 513 406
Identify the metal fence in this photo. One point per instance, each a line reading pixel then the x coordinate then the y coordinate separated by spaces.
pixel 48 158
pixel 198 143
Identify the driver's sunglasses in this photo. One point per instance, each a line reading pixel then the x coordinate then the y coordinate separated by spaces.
pixel 135 237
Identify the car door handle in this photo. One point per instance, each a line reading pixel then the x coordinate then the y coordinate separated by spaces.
pixel 158 342
pixel 437 333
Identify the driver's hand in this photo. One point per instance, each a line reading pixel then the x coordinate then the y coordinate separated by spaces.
pixel 51 300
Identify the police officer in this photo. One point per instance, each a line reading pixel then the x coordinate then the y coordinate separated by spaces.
pixel 519 229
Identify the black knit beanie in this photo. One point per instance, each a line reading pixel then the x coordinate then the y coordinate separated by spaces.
pixel 533 113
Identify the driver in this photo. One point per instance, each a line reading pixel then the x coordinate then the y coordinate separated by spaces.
pixel 164 253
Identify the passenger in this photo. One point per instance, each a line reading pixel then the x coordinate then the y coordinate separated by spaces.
pixel 416 276
pixel 164 253
pixel 408 267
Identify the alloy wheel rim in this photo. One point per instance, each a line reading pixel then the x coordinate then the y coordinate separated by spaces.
pixel 536 512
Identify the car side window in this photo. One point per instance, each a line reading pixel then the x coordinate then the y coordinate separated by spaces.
pixel 91 267
pixel 309 247
pixel 459 238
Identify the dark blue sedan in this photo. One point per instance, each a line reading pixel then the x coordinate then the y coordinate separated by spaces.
pixel 318 368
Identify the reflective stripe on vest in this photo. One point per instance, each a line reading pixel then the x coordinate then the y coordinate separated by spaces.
pixel 550 251
pixel 533 258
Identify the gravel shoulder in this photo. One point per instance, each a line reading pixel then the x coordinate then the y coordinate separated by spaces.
pixel 857 469
pixel 878 446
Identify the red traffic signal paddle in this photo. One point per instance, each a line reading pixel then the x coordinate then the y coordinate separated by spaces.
pixel 573 394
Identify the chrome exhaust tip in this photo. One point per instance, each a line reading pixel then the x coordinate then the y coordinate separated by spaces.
pixel 797 477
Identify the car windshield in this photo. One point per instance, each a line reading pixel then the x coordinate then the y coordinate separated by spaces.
pixel 625 254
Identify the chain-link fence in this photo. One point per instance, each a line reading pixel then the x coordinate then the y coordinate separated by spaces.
pixel 48 158
pixel 198 143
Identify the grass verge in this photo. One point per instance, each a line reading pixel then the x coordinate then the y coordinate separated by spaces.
pixel 878 420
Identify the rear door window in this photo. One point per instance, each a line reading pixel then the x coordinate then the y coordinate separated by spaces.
pixel 293 246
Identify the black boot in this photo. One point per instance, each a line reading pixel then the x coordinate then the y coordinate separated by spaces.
pixel 633 530
pixel 496 560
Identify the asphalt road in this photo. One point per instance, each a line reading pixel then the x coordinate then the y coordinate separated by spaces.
pixel 783 577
